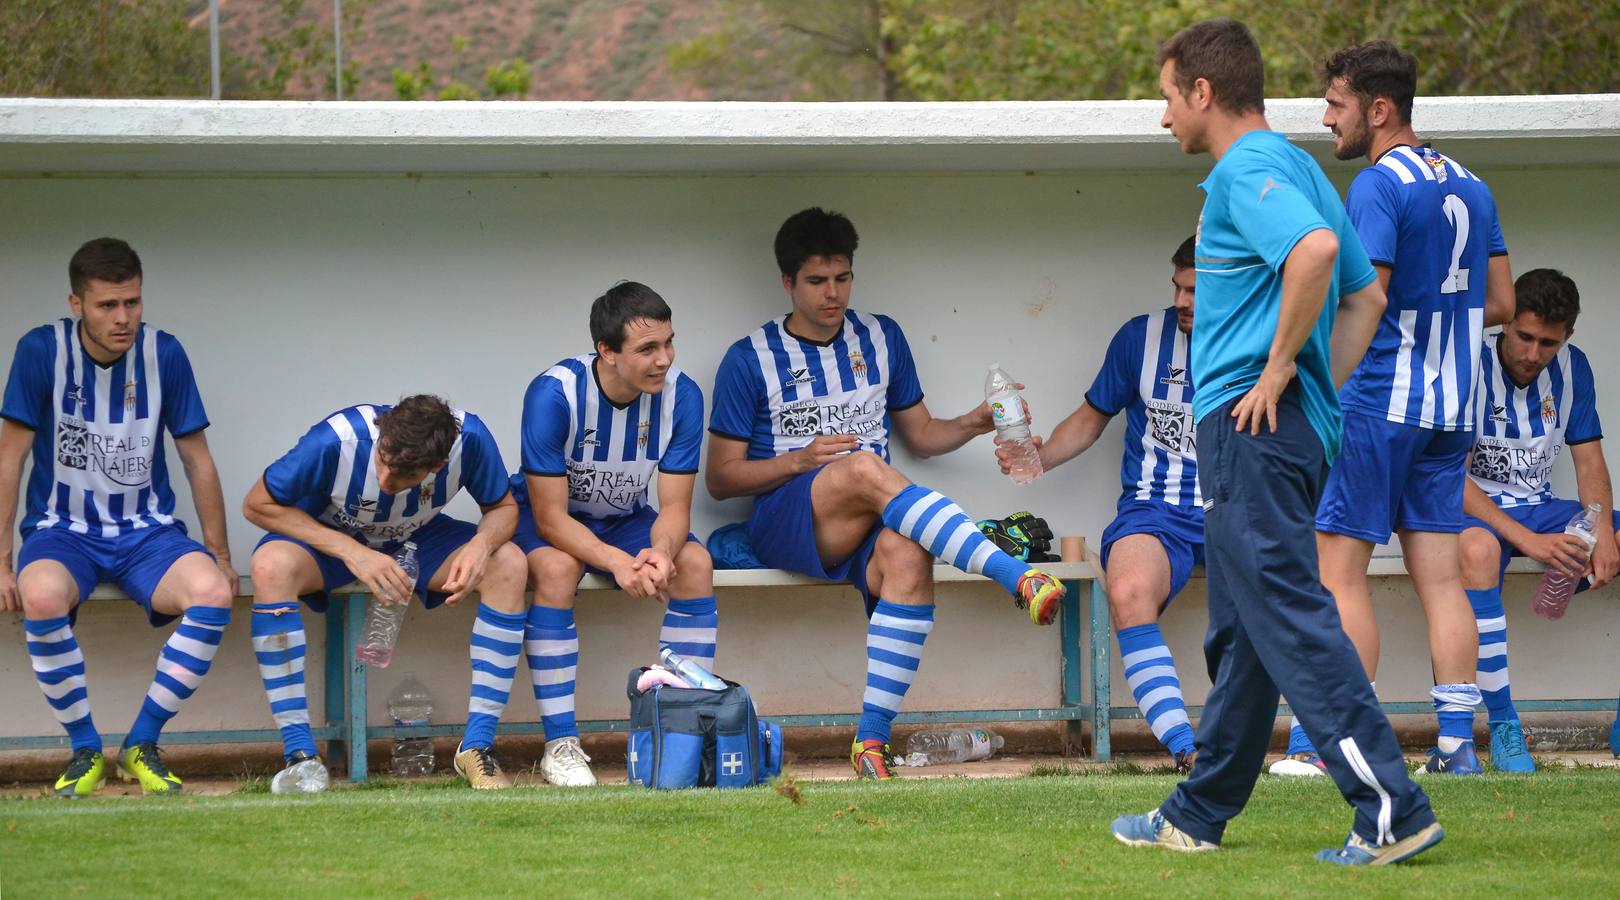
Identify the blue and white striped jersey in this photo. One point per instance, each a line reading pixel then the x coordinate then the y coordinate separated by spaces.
pixel 608 452
pixel 1523 429
pixel 1434 224
pixel 332 474
pixel 1146 374
pixel 98 442
pixel 778 392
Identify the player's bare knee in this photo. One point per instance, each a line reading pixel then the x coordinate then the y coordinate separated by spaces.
pixel 274 569
pixel 1131 601
pixel 208 587
pixel 694 570
pixel 552 571
pixel 1481 556
pixel 506 575
pixel 864 474
pixel 43 600
pixel 899 556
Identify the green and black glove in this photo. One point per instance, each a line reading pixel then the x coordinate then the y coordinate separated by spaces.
pixel 1022 535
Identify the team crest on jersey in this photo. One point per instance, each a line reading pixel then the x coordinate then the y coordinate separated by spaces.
pixel 424 493
pixel 1549 410
pixel 129 394
pixel 857 363
pixel 1491 463
pixel 1169 425
pixel 1176 376
pixel 800 420
pixel 643 433
pixel 72 443
pixel 1438 164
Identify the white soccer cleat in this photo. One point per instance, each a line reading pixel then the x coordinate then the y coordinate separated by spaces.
pixel 1299 765
pixel 565 764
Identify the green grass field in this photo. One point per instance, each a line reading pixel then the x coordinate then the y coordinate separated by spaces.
pixel 1554 834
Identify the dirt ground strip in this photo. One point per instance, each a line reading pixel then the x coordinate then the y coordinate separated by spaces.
pixel 817 770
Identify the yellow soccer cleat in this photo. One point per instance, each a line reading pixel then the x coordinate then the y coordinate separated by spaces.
pixel 144 763
pixel 1041 594
pixel 84 775
pixel 482 771
pixel 873 760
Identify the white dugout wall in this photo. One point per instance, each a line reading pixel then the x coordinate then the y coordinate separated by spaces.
pixel 311 256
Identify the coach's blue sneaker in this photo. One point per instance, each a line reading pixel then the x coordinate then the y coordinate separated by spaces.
pixel 1461 761
pixel 1508 753
pixel 1614 739
pixel 1151 829
pixel 1357 852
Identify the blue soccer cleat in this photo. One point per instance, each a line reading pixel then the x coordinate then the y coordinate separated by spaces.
pixel 1357 852
pixel 1461 761
pixel 1152 829
pixel 1508 753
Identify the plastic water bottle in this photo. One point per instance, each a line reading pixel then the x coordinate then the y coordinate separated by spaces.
pixel 410 704
pixel 381 631
pixel 689 669
pixel 1012 426
pixel 937 747
pixel 1552 596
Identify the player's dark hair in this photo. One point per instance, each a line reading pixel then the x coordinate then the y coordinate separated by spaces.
pixel 1183 257
pixel 1224 53
pixel 417 433
pixel 1551 295
pixel 103 259
pixel 1376 69
pixel 622 304
pixel 814 232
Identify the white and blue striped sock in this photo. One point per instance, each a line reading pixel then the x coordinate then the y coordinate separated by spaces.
pixel 1495 685
pixel 280 647
pixel 59 669
pixel 494 648
pixel 184 660
pixel 894 643
pixel 943 529
pixel 552 645
pixel 690 627
pixel 1151 672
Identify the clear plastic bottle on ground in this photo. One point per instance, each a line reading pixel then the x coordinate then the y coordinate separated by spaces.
pixel 381 631
pixel 690 670
pixel 940 746
pixel 411 704
pixel 1552 595
pixel 1011 418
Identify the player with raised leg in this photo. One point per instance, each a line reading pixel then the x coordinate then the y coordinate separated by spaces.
pixel 337 506
pixel 91 397
pixel 803 410
pixel 597 429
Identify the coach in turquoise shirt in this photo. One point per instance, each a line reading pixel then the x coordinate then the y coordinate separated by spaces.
pixel 1287 304
pixel 1265 194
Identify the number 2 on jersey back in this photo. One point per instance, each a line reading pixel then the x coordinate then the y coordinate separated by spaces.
pixel 1457 214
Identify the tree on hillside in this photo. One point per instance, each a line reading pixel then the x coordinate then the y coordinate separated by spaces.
pixel 101 48
pixel 1103 49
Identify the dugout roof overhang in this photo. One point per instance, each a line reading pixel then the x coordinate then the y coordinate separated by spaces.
pixel 123 137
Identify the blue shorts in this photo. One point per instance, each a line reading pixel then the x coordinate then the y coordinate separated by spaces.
pixel 782 529
pixel 1393 477
pixel 435 541
pixel 135 560
pixel 1179 528
pixel 631 532
pixel 1541 518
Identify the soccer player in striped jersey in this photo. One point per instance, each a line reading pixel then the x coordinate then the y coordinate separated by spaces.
pixel 599 430
pixel 91 396
pixel 1535 396
pixel 1157 535
pixel 803 409
pixel 337 507
pixel 1430 227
